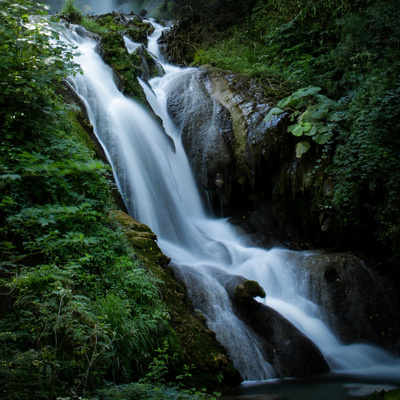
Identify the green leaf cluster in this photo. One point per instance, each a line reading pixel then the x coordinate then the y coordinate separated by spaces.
pixel 154 385
pixel 70 12
pixel 313 114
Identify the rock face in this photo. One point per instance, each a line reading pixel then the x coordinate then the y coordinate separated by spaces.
pixel 361 305
pixel 206 129
pixel 244 164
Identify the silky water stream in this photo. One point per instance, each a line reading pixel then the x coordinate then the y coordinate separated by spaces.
pixel 154 177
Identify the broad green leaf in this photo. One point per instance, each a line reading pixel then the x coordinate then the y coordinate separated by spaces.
pixel 332 117
pixel 319 114
pixel 322 138
pixel 295 129
pixel 326 101
pixel 271 113
pixel 306 117
pixel 308 91
pixel 307 127
pixel 286 101
pixel 312 131
pixel 301 148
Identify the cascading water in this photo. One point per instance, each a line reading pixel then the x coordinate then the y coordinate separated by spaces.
pixel 155 179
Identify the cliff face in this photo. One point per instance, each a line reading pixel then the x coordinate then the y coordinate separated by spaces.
pixel 244 164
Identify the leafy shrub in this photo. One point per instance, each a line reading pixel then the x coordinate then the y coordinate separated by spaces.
pixel 313 115
pixel 77 307
pixel 70 12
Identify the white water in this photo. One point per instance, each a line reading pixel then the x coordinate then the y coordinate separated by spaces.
pixel 158 187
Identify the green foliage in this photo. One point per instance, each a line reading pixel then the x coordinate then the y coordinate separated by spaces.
pixel 29 65
pixel 146 391
pixel 366 167
pixel 383 395
pixel 77 306
pixel 70 12
pixel 154 387
pixel 313 113
pixel 351 50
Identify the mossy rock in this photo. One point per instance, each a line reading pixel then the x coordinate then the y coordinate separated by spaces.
pixel 125 65
pixel 114 53
pixel 73 17
pixel 142 240
pixel 211 366
pixel 137 34
pixel 134 27
pixel 247 290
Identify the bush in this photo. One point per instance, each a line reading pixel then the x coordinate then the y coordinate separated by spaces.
pixel 76 305
pixel 70 12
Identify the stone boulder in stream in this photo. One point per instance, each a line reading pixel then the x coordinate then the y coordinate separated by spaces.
pixel 285 347
pixel 361 305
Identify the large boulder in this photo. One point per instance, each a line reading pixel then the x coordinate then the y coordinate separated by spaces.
pixel 206 130
pixel 289 351
pixel 360 304
pixel 247 166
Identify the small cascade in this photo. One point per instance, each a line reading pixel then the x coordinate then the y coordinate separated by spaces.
pixel 156 182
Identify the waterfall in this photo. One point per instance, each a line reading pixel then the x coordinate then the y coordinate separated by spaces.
pixel 156 182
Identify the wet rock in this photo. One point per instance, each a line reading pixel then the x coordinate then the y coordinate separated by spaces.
pixel 218 127
pixel 289 351
pixel 148 67
pixel 206 130
pixel 362 306
pixel 244 164
pixel 243 291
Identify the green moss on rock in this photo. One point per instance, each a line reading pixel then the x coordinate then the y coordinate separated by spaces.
pixel 116 55
pixel 211 366
pixel 247 290
pixel 111 28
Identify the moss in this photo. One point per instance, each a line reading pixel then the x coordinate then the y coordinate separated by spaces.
pixel 247 290
pixel 73 17
pixel 139 32
pixel 125 65
pixel 81 126
pixel 111 28
pixel 211 366
pixel 134 28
